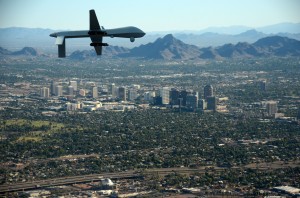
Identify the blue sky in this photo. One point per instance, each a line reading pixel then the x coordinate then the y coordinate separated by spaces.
pixel 150 15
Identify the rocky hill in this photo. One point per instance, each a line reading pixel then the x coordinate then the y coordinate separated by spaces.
pixel 26 51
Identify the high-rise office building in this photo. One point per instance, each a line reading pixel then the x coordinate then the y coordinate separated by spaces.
pixel 148 96
pixel 113 90
pixel 53 87
pixel 165 95
pixel 174 95
pixel 202 104
pixel 95 92
pixel 182 96
pixel 73 83
pixel 157 100
pixel 208 91
pixel 132 94
pixel 192 101
pixel 211 103
pixel 58 90
pixel 122 93
pixel 271 107
pixel 45 92
pixel 70 90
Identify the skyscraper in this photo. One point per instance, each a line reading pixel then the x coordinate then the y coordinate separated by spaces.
pixel 122 93
pixel 208 91
pixel 113 90
pixel 183 94
pixel 271 108
pixel 58 90
pixel 211 103
pixel 148 96
pixel 95 92
pixel 132 94
pixel 192 101
pixel 174 95
pixel 45 92
pixel 74 84
pixel 202 104
pixel 165 95
pixel 70 90
pixel 53 87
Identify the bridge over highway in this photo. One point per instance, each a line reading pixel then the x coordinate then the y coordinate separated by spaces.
pixel 7 188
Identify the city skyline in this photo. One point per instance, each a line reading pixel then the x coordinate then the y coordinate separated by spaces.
pixel 150 16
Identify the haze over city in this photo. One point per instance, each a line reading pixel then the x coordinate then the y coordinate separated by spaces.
pixel 156 15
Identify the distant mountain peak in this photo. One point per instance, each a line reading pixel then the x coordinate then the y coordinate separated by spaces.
pixel 168 37
pixel 27 51
pixel 166 48
pixel 273 41
pixel 251 32
pixel 4 51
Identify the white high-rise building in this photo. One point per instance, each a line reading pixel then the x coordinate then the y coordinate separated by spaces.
pixel 113 90
pixel 95 92
pixel 73 83
pixel 45 92
pixel 148 96
pixel 165 95
pixel 58 90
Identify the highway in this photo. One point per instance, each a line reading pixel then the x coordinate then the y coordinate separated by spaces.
pixel 7 188
pixel 64 181
pixel 24 186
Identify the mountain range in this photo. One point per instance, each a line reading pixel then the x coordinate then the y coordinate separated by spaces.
pixel 26 51
pixel 16 38
pixel 171 48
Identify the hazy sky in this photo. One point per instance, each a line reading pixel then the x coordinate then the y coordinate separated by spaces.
pixel 149 15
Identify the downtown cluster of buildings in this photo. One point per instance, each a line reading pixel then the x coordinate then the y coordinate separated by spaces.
pixel 89 97
pixel 187 99
pixel 112 97
pixel 73 95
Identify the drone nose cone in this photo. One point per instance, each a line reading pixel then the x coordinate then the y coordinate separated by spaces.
pixel 141 33
pixel 53 35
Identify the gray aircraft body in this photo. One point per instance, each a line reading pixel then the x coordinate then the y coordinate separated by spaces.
pixel 96 33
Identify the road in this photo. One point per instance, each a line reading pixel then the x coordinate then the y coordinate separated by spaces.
pixel 133 174
pixel 64 181
pixel 94 177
